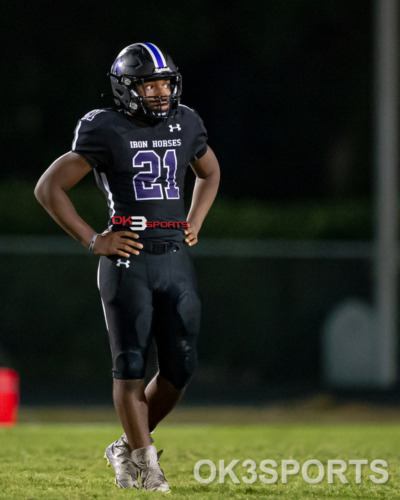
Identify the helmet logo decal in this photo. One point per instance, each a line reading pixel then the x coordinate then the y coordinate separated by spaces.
pixel 118 66
pixel 167 69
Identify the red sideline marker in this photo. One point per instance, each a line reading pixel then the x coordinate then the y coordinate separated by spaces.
pixel 9 397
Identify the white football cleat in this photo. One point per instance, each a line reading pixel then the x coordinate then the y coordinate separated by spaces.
pixel 118 456
pixel 151 474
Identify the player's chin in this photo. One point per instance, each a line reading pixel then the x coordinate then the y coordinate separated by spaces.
pixel 158 107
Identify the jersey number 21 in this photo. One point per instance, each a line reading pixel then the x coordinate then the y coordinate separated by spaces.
pixel 145 182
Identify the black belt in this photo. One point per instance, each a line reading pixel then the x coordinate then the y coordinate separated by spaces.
pixel 159 247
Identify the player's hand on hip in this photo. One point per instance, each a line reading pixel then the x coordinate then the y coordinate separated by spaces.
pixel 191 235
pixel 120 243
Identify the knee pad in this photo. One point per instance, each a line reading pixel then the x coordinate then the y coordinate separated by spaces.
pixel 179 369
pixel 129 365
pixel 189 312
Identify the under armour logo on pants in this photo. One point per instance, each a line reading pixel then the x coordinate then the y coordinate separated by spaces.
pixel 122 263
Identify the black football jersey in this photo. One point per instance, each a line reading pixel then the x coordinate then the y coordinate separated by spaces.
pixel 141 167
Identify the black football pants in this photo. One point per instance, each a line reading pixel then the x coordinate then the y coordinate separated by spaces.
pixel 151 295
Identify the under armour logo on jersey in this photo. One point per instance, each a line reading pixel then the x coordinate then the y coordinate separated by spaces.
pixel 122 263
pixel 176 127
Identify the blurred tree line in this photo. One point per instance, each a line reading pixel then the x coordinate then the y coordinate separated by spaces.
pixel 284 88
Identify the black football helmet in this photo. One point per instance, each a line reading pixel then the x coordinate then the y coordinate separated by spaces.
pixel 140 63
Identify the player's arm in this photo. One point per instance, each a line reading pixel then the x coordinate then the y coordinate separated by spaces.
pixel 207 174
pixel 51 192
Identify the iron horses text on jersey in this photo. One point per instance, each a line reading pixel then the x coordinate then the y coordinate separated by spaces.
pixel 166 143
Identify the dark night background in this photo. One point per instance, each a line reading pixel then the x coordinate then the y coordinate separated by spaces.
pixel 285 90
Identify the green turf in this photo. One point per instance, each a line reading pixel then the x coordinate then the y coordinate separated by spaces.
pixel 65 461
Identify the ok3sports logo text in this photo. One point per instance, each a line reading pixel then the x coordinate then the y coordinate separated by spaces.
pixel 140 223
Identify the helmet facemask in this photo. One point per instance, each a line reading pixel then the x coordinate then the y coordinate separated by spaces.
pixel 145 105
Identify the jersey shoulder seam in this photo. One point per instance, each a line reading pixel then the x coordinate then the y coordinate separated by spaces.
pixel 90 115
pixel 187 107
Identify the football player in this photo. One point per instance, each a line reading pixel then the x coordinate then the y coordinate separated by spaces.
pixel 139 151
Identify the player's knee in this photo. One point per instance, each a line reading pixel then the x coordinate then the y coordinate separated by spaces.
pixel 181 369
pixel 189 312
pixel 130 365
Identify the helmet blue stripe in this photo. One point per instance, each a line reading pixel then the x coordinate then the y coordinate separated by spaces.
pixel 157 54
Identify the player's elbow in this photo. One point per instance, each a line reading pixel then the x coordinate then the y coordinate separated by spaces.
pixel 39 192
pixel 42 191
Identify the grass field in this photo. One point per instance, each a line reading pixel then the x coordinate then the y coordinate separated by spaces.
pixel 48 460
